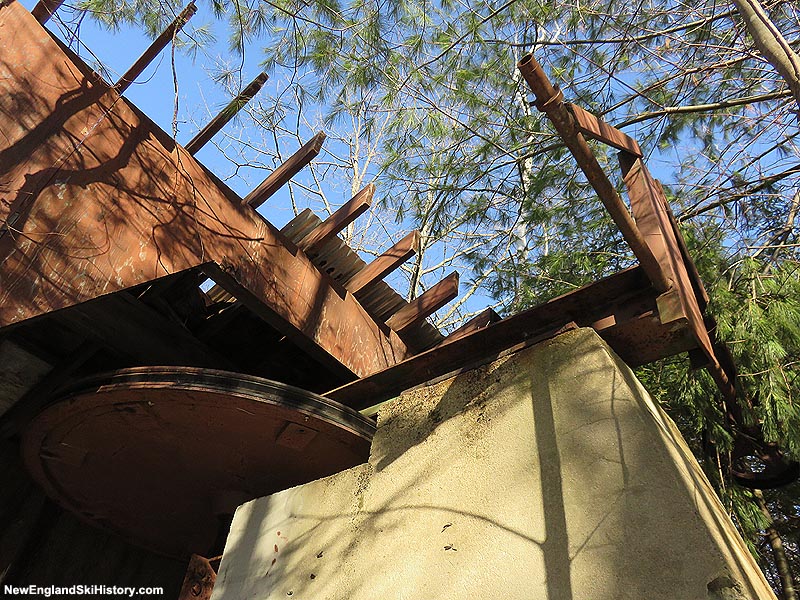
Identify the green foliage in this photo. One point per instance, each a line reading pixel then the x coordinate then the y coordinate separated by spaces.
pixel 755 303
pixel 759 314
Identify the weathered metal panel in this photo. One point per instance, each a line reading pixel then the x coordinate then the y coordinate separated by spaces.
pixel 649 206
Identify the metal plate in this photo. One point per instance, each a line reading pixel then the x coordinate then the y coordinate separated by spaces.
pixel 157 454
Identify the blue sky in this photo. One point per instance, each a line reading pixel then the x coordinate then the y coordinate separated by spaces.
pixel 199 96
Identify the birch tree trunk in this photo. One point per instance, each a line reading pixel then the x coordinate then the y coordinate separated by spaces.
pixel 772 45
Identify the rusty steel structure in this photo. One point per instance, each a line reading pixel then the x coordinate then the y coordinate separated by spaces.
pixel 146 407
pixel 653 234
pixel 206 440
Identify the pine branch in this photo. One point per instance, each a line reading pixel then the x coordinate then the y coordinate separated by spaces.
pixel 620 40
pixel 738 195
pixel 710 107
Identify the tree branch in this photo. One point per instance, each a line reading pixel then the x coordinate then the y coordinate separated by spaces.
pixel 695 108
pixel 771 44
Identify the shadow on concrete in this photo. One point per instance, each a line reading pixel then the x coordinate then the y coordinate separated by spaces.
pixel 610 504
pixel 555 546
pixel 472 391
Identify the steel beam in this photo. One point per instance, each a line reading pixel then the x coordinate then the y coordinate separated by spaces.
pixel 387 262
pixel 426 304
pixel 551 102
pixel 621 307
pixel 155 48
pixel 103 200
pixel 226 114
pixel 341 218
pixel 288 169
pixel 597 129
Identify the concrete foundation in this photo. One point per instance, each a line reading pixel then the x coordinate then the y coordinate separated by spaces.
pixel 549 474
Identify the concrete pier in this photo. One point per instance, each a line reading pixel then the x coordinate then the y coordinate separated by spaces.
pixel 549 474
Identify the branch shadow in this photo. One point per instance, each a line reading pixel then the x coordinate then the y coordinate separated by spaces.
pixel 592 500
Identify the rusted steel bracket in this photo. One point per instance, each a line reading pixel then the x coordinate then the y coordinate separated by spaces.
pixel 686 302
pixel 103 200
pixel 651 235
pixel 551 101
pixel 425 305
pixel 656 241
pixel 285 171
pixel 226 114
pixel 200 578
pixel 387 262
pixel 597 129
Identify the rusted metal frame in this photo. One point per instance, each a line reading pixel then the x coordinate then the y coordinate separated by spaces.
pixel 428 368
pixel 136 330
pixel 300 338
pixel 200 578
pixel 341 218
pixel 550 101
pixel 652 215
pixel 387 262
pixel 642 339
pixel 157 293
pixel 155 48
pixel 169 215
pixel 479 321
pixel 45 9
pixel 583 306
pixel 697 282
pixel 595 128
pixel 288 169
pixel 425 305
pixel 688 300
pixel 226 114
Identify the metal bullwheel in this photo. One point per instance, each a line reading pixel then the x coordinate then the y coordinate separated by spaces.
pixel 162 455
